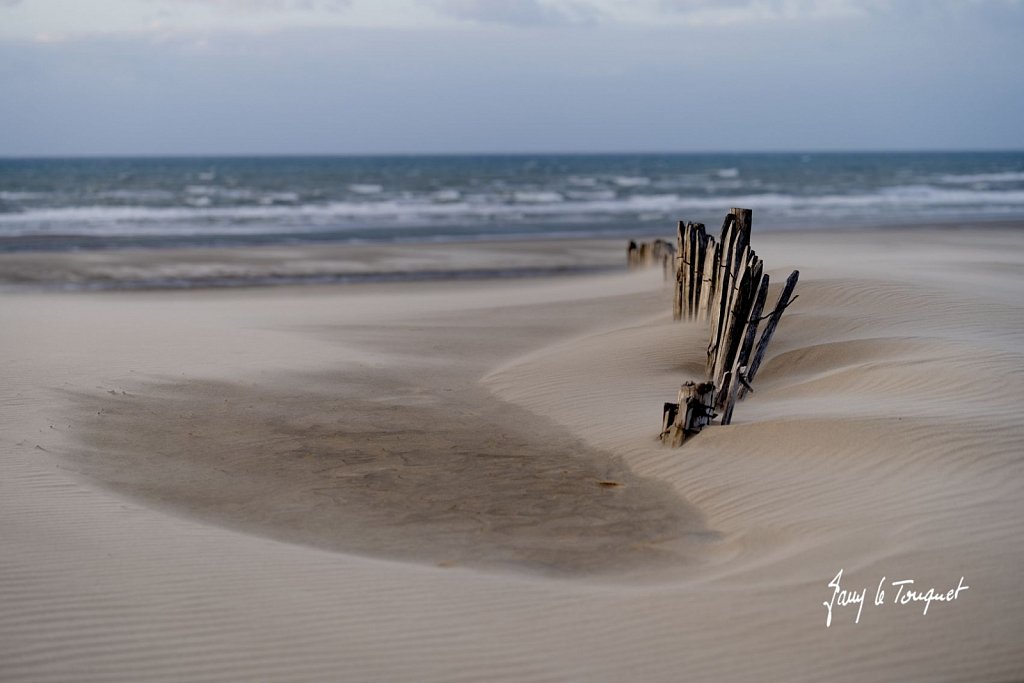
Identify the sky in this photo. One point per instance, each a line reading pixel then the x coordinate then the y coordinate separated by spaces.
pixel 209 77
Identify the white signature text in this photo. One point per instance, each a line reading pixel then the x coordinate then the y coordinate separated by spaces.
pixel 902 591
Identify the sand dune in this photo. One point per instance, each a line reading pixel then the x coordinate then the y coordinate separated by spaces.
pixel 413 481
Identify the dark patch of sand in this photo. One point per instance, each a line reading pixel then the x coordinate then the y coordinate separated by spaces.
pixel 442 475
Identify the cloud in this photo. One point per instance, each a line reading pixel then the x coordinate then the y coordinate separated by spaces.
pixel 732 12
pixel 271 5
pixel 649 13
pixel 73 19
pixel 701 13
pixel 519 12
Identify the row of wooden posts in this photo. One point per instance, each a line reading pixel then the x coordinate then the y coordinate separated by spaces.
pixel 722 283
pixel 656 253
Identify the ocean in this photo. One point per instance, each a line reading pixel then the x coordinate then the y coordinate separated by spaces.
pixel 104 203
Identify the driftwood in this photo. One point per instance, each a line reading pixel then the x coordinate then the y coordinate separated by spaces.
pixel 723 283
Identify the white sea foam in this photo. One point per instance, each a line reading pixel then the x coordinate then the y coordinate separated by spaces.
pixel 728 173
pixel 365 188
pixel 236 193
pixel 279 198
pixel 287 215
pixel 590 195
pixel 970 178
pixel 447 195
pixel 631 181
pixel 143 195
pixel 537 197
pixel 12 196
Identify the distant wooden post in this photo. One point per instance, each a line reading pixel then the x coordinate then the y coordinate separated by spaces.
pixel 644 254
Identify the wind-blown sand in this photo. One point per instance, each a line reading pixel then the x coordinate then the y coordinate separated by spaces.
pixel 453 481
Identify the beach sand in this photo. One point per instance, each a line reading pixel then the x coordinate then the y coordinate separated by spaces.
pixel 461 480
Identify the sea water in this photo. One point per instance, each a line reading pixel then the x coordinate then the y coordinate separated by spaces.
pixel 92 203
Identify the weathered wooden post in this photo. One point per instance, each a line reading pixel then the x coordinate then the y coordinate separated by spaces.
pixel 723 282
pixel 691 413
pixel 785 299
pixel 739 366
pixel 644 254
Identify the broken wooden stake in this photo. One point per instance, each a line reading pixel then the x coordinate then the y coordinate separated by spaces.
pixel 691 413
pixel 785 299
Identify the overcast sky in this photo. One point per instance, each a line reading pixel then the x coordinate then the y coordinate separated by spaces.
pixel 426 76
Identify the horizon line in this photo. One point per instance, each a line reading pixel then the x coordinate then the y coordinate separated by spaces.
pixel 492 153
